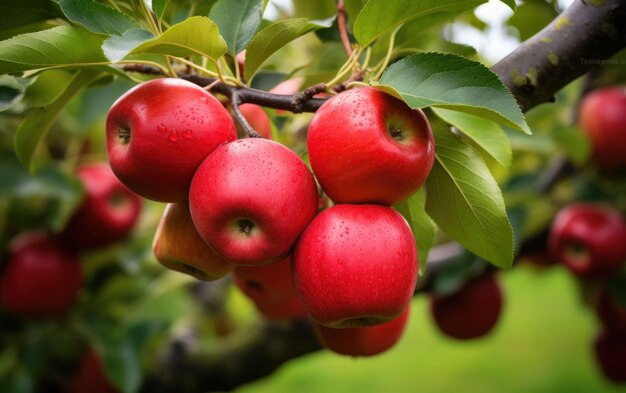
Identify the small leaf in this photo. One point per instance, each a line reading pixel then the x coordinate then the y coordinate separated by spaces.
pixel 238 21
pixel 122 366
pixel 422 225
pixel 380 16
pixel 485 134
pixel 532 16
pixel 19 13
pixel 96 17
pixel 36 125
pixel 192 36
pixel 117 47
pixel 274 37
pixel 11 90
pixel 64 46
pixel 466 202
pixel 454 82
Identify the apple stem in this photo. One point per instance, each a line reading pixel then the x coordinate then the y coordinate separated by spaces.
pixel 249 130
pixel 343 31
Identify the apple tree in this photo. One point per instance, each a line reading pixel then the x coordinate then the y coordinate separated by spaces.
pixel 194 192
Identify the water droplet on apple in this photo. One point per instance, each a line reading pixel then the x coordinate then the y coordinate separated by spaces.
pixel 173 136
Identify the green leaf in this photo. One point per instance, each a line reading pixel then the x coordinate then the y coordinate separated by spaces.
pixel 62 46
pixel 96 17
pixel 454 82
pixel 466 202
pixel 117 47
pixel 192 36
pixel 35 125
pixel 485 134
pixel 11 90
pixel 158 6
pixel 572 142
pixel 51 183
pixel 238 21
pixel 380 16
pixel 266 42
pixel 122 366
pixel 422 225
pixel 532 16
pixel 17 13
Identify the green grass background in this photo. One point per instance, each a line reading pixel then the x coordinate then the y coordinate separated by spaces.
pixel 543 343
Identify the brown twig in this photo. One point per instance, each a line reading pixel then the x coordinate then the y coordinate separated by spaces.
pixel 343 29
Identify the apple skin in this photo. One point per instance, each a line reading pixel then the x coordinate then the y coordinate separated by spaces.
pixel 90 376
pixel 271 289
pixel 41 279
pixel 160 131
pixel 250 200
pixel 356 265
pixel 363 341
pixel 589 239
pixel 470 312
pixel 258 119
pixel 107 214
pixel 178 246
pixel 603 119
pixel 354 156
pixel 611 313
pixel 610 352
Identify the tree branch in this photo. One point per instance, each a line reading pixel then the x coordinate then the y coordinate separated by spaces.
pixel 579 39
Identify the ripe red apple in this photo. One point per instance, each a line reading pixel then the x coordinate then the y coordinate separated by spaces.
pixel 178 246
pixel 41 279
pixel 271 289
pixel 610 351
pixel 612 313
pixel 107 214
pixel 363 341
pixel 471 311
pixel 250 200
pixel 258 119
pixel 589 239
pixel 356 265
pixel 366 146
pixel 90 376
pixel 603 120
pixel 160 131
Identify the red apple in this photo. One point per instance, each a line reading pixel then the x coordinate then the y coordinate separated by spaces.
pixel 356 265
pixel 178 246
pixel 363 341
pixel 271 289
pixel 258 119
pixel 41 279
pixel 160 131
pixel 250 200
pixel 471 311
pixel 366 146
pixel 603 120
pixel 107 214
pixel 612 313
pixel 90 376
pixel 589 239
pixel 610 351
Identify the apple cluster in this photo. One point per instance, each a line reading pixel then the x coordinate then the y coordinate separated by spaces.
pixel 251 206
pixel 43 273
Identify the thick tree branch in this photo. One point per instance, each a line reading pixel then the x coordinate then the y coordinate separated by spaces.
pixel 581 38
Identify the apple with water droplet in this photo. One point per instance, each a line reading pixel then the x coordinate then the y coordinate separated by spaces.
pixel 178 246
pixel 363 341
pixel 160 131
pixel 356 265
pixel 107 214
pixel 250 200
pixel 366 146
pixel 41 279
pixel 589 239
